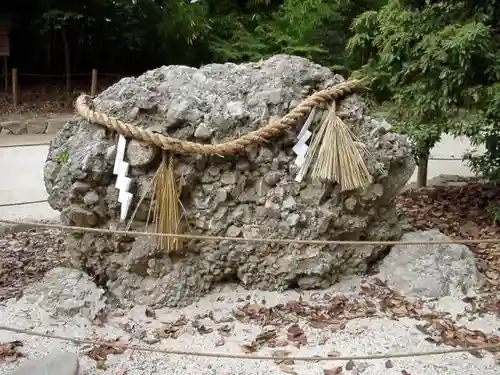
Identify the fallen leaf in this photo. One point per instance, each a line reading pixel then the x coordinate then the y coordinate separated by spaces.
pixel 294 330
pixel 100 353
pixel 9 352
pixel 333 353
pixel 332 371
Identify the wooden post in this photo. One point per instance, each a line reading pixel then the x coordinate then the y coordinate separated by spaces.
pixel 6 73
pixel 14 87
pixel 93 87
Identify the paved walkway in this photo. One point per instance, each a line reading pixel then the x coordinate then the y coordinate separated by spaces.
pixel 21 169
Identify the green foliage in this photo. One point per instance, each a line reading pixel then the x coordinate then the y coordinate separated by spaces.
pixel 114 34
pixel 427 65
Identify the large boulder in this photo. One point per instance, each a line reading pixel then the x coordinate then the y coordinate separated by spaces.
pixel 252 195
pixel 430 271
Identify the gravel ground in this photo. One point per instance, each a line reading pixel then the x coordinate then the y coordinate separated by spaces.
pixel 201 331
pixel 358 321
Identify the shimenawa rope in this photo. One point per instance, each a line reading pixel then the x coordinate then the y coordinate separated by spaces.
pixel 250 356
pixel 256 137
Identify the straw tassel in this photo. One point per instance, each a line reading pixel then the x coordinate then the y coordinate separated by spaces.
pixel 335 155
pixel 166 210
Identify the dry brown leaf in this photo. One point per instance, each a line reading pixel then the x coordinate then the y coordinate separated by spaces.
pixel 248 347
pixel 101 352
pixel 334 353
pixel 294 330
pixel 9 352
pixel 333 371
pixel 280 342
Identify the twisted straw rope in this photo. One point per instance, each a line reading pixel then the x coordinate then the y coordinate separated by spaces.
pixel 235 146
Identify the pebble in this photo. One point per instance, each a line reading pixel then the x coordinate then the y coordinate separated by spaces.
pixel 63 363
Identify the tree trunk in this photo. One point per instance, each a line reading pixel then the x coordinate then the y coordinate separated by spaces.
pixel 67 60
pixel 423 162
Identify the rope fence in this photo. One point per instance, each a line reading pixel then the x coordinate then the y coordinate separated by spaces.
pixel 281 241
pixel 490 347
pixel 12 79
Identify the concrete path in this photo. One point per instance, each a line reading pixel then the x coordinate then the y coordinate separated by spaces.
pixel 21 169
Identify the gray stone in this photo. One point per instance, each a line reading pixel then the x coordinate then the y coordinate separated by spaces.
pixel 203 131
pixel 140 154
pixel 62 363
pixel 36 126
pixel 79 216
pixel 55 125
pixel 90 198
pixel 66 293
pixel 15 127
pixel 253 194
pixel 431 271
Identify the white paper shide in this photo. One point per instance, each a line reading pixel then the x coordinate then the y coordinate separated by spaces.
pixel 122 181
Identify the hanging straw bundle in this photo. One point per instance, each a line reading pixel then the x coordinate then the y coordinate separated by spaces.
pixel 166 212
pixel 338 158
pixel 164 207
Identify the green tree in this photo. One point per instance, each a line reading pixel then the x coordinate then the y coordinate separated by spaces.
pixel 430 64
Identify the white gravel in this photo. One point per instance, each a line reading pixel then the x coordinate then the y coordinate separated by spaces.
pixel 360 337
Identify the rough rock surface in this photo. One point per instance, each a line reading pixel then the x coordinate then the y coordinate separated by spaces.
pixel 58 363
pixel 65 292
pixel 431 271
pixel 252 195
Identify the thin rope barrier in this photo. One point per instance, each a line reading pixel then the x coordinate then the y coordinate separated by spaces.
pixel 283 241
pixel 250 356
pixel 22 203
pixel 25 145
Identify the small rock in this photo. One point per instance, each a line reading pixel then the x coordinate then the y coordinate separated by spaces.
pixel 203 131
pixel 15 127
pixel 66 293
pixel 233 231
pixel 80 216
pixel 36 126
pixel 350 203
pixel 91 198
pixel 289 203
pixel 293 219
pixel 52 364
pixel 140 154
pixel 431 271
pixel 228 178
pixel 54 125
